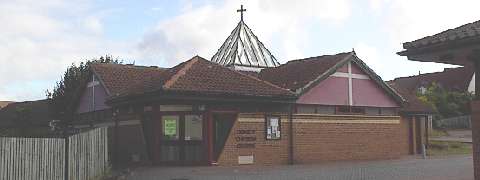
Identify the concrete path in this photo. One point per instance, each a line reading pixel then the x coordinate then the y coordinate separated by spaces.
pixel 445 168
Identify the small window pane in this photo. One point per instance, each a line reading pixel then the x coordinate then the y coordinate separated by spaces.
pixel 326 110
pixel 343 109
pixel 306 109
pixel 170 127
pixel 358 110
pixel 372 110
pixel 388 111
pixel 193 127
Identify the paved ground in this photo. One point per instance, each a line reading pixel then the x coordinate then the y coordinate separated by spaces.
pixel 456 135
pixel 446 168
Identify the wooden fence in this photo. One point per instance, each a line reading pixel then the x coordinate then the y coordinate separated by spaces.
pixel 44 158
pixel 461 122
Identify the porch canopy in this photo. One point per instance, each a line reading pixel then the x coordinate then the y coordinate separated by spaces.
pixel 458 46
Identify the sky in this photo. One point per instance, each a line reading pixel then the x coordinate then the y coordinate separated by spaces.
pixel 40 39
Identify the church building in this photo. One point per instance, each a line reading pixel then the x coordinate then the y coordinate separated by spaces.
pixel 244 107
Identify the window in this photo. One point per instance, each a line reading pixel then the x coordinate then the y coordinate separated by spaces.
pixel 388 111
pixel 343 109
pixel 272 127
pixel 315 109
pixel 306 109
pixel 372 111
pixel 193 127
pixel 325 109
pixel 350 110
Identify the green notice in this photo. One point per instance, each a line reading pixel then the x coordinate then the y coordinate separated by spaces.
pixel 170 127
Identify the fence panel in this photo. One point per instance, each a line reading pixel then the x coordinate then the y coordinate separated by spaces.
pixel 44 158
pixel 23 158
pixel 86 153
pixel 461 122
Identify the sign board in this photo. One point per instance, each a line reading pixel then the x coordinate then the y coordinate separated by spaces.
pixel 170 127
pixel 245 159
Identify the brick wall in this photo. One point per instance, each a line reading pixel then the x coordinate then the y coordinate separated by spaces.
pixel 266 152
pixel 329 138
pixel 319 138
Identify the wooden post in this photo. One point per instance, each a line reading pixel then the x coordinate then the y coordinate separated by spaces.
pixel 475 113
pixel 414 135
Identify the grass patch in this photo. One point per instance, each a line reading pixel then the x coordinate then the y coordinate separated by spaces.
pixel 437 133
pixel 443 148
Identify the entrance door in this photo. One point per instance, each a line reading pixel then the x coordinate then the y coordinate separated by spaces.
pixel 181 140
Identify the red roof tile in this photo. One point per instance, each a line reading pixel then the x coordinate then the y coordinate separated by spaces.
pixel 297 74
pixel 119 78
pixel 200 75
pixel 452 79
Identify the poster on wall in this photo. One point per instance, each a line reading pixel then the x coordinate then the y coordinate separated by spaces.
pixel 170 127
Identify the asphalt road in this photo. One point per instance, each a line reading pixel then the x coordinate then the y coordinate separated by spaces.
pixel 444 168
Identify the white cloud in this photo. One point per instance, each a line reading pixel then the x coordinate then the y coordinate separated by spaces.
pixel 39 39
pixel 201 30
pixel 409 20
pixel 370 55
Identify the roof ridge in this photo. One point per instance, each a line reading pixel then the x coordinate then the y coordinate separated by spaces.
pixel 130 65
pixel 182 71
pixel 320 56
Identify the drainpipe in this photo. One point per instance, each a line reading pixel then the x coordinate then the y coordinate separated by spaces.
pixel 290 136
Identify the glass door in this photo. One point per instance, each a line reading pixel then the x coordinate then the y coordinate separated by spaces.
pixel 181 141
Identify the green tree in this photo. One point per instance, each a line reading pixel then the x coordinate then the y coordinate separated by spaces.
pixel 22 119
pixel 69 88
pixel 446 103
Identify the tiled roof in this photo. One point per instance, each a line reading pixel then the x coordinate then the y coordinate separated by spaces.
pixel 194 76
pixel 200 75
pixel 117 78
pixel 413 104
pixel 470 30
pixel 297 74
pixel 453 79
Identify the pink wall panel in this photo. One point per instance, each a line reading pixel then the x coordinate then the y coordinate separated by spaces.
pixel 85 104
pixel 368 93
pixel 331 91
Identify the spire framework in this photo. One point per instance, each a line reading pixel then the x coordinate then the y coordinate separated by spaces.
pixel 242 50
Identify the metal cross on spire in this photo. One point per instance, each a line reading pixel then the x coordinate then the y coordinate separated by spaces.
pixel 241 10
